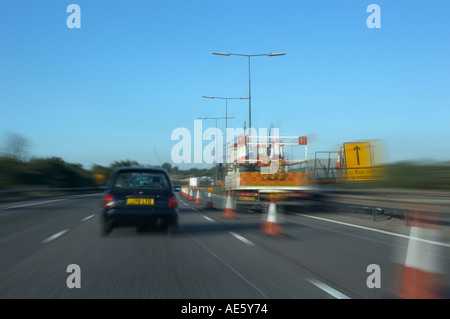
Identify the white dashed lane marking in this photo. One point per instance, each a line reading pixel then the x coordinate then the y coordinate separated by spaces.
pixel 62 232
pixel 331 291
pixel 87 218
pixel 243 239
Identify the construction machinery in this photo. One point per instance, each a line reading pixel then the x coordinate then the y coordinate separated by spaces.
pixel 258 171
pixel 354 162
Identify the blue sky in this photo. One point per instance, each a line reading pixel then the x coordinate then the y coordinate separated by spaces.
pixel 116 88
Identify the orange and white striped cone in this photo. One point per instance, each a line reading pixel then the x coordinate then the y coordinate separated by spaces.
pixel 423 273
pixel 190 197
pixel 197 199
pixel 229 210
pixel 209 203
pixel 271 225
pixel 338 162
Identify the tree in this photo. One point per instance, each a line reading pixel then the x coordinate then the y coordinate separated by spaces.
pixel 117 164
pixel 167 167
pixel 16 147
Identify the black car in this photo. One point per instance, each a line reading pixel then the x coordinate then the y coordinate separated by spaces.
pixel 139 196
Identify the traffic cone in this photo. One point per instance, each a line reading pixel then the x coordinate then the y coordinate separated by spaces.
pixel 271 226
pixel 191 197
pixel 229 211
pixel 209 203
pixel 338 162
pixel 423 274
pixel 197 199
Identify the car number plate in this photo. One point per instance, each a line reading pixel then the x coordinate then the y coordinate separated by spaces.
pixel 247 198
pixel 140 201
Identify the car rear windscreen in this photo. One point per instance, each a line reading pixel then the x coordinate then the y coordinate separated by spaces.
pixel 141 180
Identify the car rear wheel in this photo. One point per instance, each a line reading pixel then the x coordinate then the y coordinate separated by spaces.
pixel 172 225
pixel 106 229
pixel 172 229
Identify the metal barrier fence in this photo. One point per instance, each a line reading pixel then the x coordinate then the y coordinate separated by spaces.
pixel 431 206
pixel 12 191
pixel 22 194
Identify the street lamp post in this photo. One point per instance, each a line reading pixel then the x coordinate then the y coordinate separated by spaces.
pixel 215 118
pixel 249 78
pixel 226 107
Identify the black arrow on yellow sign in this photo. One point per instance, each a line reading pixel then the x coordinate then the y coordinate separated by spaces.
pixel 357 149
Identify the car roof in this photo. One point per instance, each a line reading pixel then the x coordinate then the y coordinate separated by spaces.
pixel 140 168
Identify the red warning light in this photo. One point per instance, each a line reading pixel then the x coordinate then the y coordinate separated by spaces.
pixel 302 140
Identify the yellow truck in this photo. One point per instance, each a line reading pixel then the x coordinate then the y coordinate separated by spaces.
pixel 259 171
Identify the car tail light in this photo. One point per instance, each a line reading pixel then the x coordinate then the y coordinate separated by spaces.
pixel 172 202
pixel 108 200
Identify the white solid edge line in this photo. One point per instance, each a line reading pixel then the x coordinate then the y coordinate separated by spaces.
pixel 32 204
pixel 62 232
pixel 46 202
pixel 243 239
pixel 331 291
pixel 378 230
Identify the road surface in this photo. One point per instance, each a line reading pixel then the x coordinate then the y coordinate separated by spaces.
pixel 322 254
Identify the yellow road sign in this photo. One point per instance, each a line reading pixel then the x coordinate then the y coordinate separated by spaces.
pixel 359 175
pixel 358 161
pixel 357 155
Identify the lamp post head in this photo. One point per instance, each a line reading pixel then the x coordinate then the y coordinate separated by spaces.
pixel 224 98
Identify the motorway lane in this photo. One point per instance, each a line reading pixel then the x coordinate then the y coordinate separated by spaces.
pixel 333 254
pixel 338 246
pixel 25 225
pixel 211 257
pixel 203 261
